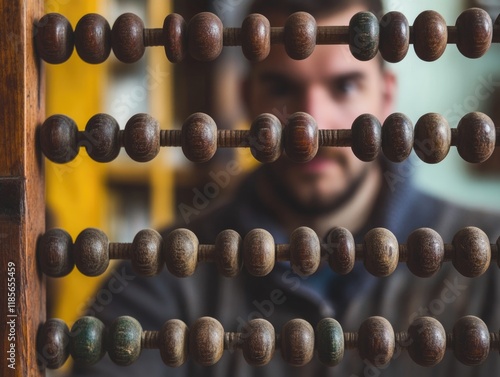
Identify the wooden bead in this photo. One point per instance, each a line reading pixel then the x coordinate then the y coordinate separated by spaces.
pixel 124 340
pixel 425 249
pixel 471 340
pixel 175 37
pixel 205 35
pixel 141 137
pixel 430 35
pixel 471 251
pixel 102 134
pixel 91 252
pixel 199 137
pixel 147 256
pixel 53 343
pixel 432 138
pixel 256 37
pixel 127 38
pixel 305 251
pixel 228 259
pixel 59 138
pixel 329 342
pixel 206 341
pixel 381 252
pixel 173 340
pixel 476 137
pixel 266 142
pixel 55 253
pixel 299 35
pixel 54 39
pixel 87 341
pixel 364 33
pixel 376 341
pixel 427 339
pixel 341 250
pixel 397 137
pixel 259 252
pixel 297 342
pixel 301 137
pixel 474 32
pixel 259 341
pixel 93 38
pixel 394 36
pixel 181 252
pixel 366 137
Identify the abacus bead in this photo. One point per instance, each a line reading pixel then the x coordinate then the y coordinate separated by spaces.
pixel 54 38
pixel 474 32
pixel 53 343
pixel 299 35
pixel 471 251
pixel 141 137
pixel 329 342
pixel 341 250
pixel 430 35
pixel 127 38
pixel 56 253
pixel 471 340
pixel 147 257
pixel 397 137
pixel 301 137
pixel 432 138
pixel 425 249
pixel 103 138
pixel 258 342
pixel 376 341
pixel 173 340
pixel 93 38
pixel 394 36
pixel 366 137
pixel 305 251
pixel 259 252
pixel 381 252
pixel 427 341
pixel 59 138
pixel 181 252
pixel 297 342
pixel 87 341
pixel 91 252
pixel 175 37
pixel 205 35
pixel 266 142
pixel 256 37
pixel 364 32
pixel 199 137
pixel 228 253
pixel 476 137
pixel 206 341
pixel 124 340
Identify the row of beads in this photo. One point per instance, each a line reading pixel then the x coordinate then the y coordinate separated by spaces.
pixel 204 36
pixel 424 252
pixel 205 342
pixel 475 138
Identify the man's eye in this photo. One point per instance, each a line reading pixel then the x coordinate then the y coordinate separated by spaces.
pixel 279 89
pixel 345 87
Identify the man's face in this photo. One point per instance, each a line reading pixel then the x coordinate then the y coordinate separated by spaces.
pixel 334 88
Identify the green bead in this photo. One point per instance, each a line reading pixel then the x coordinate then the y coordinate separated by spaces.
pixel 329 342
pixel 87 341
pixel 124 340
pixel 364 33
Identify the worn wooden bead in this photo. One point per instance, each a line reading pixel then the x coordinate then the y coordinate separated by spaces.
pixel 228 258
pixel 476 137
pixel 364 33
pixel 471 251
pixel 259 342
pixel 181 252
pixel 341 250
pixel 53 343
pixel 59 138
pixel 147 256
pixel 259 252
pixel 141 137
pixel 394 36
pixel 54 39
pixel 366 137
pixel 205 36
pixel 471 340
pixel 175 37
pixel 425 249
pixel 305 251
pixel 397 137
pixel 329 342
pixel 87 341
pixel 55 253
pixel 430 35
pixel 256 37
pixel 124 340
pixel 173 341
pixel 427 341
pixel 102 138
pixel 299 35
pixel 381 252
pixel 432 136
pixel 206 341
pixel 297 342
pixel 91 252
pixel 474 32
pixel 301 137
pixel 127 38
pixel 266 142
pixel 376 341
pixel 93 38
pixel 199 137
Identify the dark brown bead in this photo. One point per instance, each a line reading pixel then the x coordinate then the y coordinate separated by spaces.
pixel 425 250
pixel 124 340
pixel 181 252
pixel 381 252
pixel 430 35
pixel 206 341
pixel 91 252
pixel 259 252
pixel 300 35
pixel 364 33
pixel 397 137
pixel 141 137
pixel 258 342
pixel 102 138
pixel 376 341
pixel 199 137
pixel 301 137
pixel 432 138
pixel 297 342
pixel 256 37
pixel 173 341
pixel 341 250
pixel 54 38
pixel 228 258
pixel 471 251
pixel 59 138
pixel 87 341
pixel 329 342
pixel 127 38
pixel 93 38
pixel 266 142
pixel 175 37
pixel 427 341
pixel 147 256
pixel 471 340
pixel 366 137
pixel 53 343
pixel 394 36
pixel 476 137
pixel 305 251
pixel 474 32
pixel 205 35
pixel 55 253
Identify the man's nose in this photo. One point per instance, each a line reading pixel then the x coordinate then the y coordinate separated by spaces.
pixel 316 102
